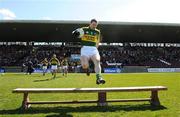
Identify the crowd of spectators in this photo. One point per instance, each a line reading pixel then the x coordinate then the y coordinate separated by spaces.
pixel 142 56
pixel 128 56
pixel 13 55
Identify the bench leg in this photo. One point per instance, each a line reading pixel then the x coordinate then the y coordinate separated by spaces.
pixel 154 98
pixel 25 104
pixel 102 99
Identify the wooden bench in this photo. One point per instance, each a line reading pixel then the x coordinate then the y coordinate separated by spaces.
pixel 102 101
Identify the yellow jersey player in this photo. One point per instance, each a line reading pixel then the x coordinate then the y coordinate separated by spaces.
pixel 90 38
pixel 44 65
pixel 54 65
pixel 64 64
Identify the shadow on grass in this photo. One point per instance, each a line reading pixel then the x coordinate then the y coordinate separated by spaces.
pixel 48 79
pixel 64 111
pixel 42 80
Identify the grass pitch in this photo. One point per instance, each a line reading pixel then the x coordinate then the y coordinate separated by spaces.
pixel 170 100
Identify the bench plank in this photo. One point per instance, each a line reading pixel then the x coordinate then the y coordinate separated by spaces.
pixel 81 90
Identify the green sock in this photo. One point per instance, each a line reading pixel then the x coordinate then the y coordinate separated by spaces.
pixel 98 76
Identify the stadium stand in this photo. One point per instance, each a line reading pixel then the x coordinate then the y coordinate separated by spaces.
pixel 112 32
pixel 131 56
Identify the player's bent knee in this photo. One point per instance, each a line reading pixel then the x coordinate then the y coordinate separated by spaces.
pixel 96 58
pixel 84 66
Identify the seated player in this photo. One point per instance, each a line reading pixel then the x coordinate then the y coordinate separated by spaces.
pixel 54 65
pixel 44 65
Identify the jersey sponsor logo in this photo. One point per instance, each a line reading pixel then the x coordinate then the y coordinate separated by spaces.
pixel 89 38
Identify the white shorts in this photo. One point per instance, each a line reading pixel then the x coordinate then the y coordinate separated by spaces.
pixel 44 67
pixel 65 67
pixel 89 51
pixel 54 67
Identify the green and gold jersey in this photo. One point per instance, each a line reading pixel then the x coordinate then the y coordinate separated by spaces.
pixel 91 37
pixel 45 63
pixel 54 61
pixel 64 62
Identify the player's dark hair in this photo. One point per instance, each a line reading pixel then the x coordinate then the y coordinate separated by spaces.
pixel 93 20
